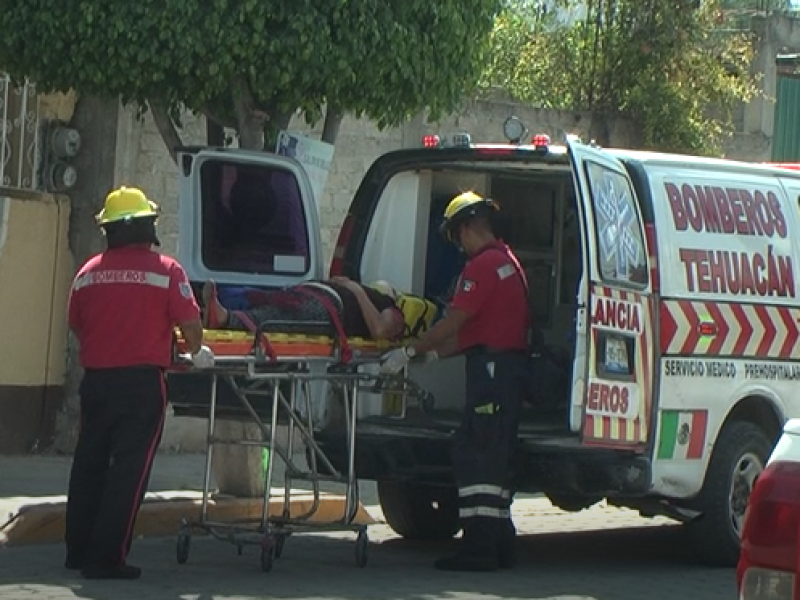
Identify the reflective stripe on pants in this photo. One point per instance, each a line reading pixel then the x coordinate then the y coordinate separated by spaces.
pixel 484 446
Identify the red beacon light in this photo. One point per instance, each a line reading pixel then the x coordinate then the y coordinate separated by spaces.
pixel 431 141
pixel 541 141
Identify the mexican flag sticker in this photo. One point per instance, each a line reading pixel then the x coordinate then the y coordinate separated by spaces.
pixel 682 435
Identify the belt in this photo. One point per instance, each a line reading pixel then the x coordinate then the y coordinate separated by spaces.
pixel 484 350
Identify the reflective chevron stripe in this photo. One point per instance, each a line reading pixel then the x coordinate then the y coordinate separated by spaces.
pixel 729 329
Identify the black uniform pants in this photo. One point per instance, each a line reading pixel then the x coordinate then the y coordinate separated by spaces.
pixel 122 417
pixel 485 446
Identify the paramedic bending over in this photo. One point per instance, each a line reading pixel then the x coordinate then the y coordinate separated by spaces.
pixel 489 319
pixel 123 307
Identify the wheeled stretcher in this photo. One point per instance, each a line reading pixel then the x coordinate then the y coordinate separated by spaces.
pixel 274 379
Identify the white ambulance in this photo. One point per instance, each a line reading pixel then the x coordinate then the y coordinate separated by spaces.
pixel 665 286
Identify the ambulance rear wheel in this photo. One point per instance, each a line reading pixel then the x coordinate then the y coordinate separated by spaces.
pixel 740 453
pixel 419 512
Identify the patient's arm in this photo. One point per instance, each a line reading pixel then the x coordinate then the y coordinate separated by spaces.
pixel 382 325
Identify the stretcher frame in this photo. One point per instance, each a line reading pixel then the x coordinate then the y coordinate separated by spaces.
pixel 267 364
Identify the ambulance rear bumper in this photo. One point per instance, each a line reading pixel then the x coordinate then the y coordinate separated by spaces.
pixel 425 458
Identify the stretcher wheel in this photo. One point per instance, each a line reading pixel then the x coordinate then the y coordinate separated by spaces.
pixel 267 554
pixel 362 549
pixel 279 542
pixel 267 558
pixel 182 547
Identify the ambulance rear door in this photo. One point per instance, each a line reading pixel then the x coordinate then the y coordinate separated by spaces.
pixel 247 219
pixel 612 395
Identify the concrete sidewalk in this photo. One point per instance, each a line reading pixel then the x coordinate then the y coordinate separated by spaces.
pixel 33 496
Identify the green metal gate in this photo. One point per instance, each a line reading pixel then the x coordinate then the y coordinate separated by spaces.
pixel 786 134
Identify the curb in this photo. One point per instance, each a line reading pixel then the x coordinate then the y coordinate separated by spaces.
pixel 43 523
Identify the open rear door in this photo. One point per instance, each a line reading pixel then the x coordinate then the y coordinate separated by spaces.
pixel 612 405
pixel 247 219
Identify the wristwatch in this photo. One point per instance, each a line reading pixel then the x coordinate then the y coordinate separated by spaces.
pixel 410 351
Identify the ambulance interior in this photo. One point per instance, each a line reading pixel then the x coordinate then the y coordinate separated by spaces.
pixel 538 219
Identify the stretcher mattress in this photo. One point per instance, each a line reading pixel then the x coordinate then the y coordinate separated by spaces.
pixel 190 393
pixel 241 343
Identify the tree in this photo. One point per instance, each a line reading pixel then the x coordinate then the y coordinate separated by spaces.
pixel 248 65
pixel 667 65
pixel 251 64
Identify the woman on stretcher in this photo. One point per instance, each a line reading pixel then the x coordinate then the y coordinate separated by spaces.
pixel 365 311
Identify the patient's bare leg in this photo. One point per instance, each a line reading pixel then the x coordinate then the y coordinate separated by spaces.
pixel 214 314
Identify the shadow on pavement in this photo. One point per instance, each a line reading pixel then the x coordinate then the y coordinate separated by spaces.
pixel 631 564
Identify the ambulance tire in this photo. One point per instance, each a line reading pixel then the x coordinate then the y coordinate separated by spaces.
pixel 713 537
pixel 572 502
pixel 419 512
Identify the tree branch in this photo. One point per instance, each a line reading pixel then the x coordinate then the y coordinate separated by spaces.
pixel 333 120
pixel 211 115
pixel 250 120
pixel 278 121
pixel 166 128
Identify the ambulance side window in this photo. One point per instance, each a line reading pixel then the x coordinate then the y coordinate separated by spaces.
pixel 622 255
pixel 253 219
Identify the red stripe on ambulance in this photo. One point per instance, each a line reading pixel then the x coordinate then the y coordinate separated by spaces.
pixel 790 328
pixel 769 330
pixel 693 335
pixel 722 329
pixel 745 332
pixel 669 328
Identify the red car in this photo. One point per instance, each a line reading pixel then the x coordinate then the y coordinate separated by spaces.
pixel 769 562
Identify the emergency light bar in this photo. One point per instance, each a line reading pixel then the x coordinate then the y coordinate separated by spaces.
pixel 512 128
pixel 431 141
pixel 457 140
pixel 541 141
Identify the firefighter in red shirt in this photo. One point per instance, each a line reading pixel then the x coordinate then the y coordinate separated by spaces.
pixel 123 307
pixel 489 320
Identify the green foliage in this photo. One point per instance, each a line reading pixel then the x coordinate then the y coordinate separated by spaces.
pixel 384 60
pixel 665 64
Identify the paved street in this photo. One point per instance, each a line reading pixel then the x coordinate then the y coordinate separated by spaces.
pixel 600 554
pixel 612 564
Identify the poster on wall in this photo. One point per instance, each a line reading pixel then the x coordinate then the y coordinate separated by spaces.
pixel 315 156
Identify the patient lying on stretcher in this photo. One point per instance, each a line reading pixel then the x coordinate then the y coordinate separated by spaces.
pixel 364 311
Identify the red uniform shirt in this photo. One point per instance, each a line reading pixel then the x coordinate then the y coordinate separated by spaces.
pixel 124 305
pixel 491 291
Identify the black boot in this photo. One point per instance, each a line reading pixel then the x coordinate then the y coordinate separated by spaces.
pixel 478 551
pixel 507 546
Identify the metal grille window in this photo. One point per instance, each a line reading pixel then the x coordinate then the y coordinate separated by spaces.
pixel 19 135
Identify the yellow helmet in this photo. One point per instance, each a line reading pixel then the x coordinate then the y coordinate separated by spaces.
pixel 463 207
pixel 126 203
